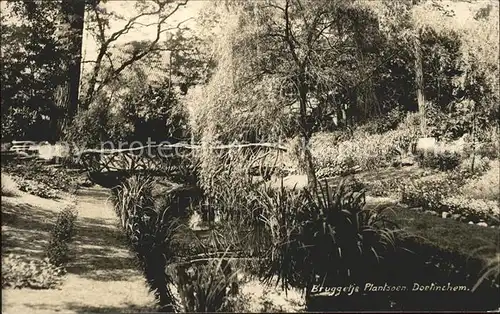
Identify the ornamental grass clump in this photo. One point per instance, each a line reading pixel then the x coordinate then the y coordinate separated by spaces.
pixel 491 262
pixel 209 287
pixel 150 232
pixel 311 231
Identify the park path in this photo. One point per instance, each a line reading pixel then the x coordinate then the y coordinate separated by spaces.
pixel 102 276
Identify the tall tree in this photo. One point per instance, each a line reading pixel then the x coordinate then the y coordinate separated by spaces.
pixel 399 23
pixel 55 28
pixel 32 62
pixel 73 15
pixel 400 20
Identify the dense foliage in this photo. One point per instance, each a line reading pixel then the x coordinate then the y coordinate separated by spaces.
pixel 147 112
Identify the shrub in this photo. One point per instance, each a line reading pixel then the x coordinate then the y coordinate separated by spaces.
pixel 147 112
pixel 22 123
pixel 368 151
pixel 35 274
pixel 57 252
pixel 488 149
pixel 489 142
pixel 64 229
pixel 93 126
pixel 62 233
pixel 481 165
pixel 338 166
pixel 154 113
pixel 383 188
pixel 384 123
pixel 474 210
pixel 427 192
pixel 442 161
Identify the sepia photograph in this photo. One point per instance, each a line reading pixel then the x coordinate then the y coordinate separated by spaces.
pixel 250 156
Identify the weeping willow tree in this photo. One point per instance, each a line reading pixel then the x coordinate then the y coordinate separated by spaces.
pixel 276 61
pixel 229 107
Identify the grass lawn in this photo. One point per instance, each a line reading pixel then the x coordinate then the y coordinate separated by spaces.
pixel 448 234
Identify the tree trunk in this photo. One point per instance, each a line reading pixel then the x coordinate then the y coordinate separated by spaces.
pixel 419 82
pixel 74 11
pixel 366 97
pixel 60 120
pixel 305 135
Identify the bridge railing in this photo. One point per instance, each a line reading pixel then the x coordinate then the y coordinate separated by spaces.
pixel 153 157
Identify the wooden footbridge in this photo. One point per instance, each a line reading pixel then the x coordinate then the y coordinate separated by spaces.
pixel 109 167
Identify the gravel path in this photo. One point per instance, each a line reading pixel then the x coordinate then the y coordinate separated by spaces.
pixel 102 276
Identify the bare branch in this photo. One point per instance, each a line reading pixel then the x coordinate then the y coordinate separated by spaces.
pixel 133 21
pixel 100 26
pixel 288 34
pixel 103 51
pixel 270 5
pixel 311 29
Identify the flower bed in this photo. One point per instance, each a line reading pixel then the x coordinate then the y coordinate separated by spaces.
pixel 35 188
pixel 483 212
pixel 47 176
pixel 485 186
pixel 456 195
pixel 427 192
pixel 333 154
